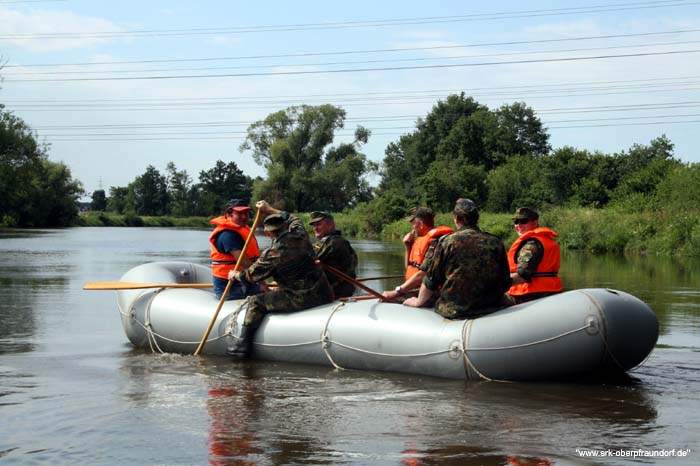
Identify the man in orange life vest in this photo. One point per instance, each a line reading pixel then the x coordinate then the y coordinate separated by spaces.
pixel 533 259
pixel 227 240
pixel 420 245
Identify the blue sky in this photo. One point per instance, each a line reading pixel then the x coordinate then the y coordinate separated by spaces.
pixel 74 70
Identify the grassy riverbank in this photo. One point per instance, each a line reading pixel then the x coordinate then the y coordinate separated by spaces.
pixel 104 219
pixel 596 231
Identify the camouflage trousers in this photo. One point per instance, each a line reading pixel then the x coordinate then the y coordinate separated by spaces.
pixel 285 301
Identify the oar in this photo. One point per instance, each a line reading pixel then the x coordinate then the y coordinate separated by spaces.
pixel 139 285
pixel 241 257
pixel 362 297
pixel 385 277
pixel 348 278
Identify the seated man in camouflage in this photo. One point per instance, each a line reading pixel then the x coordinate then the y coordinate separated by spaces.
pixel 291 261
pixel 469 270
pixel 334 250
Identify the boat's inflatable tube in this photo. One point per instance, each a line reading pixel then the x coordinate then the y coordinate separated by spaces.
pixel 578 333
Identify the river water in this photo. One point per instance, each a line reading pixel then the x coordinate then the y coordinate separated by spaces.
pixel 73 390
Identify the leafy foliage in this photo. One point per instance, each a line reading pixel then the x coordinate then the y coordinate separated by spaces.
pixel 34 192
pixel 454 148
pixel 303 173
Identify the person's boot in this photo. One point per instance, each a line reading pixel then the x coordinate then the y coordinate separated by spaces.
pixel 244 346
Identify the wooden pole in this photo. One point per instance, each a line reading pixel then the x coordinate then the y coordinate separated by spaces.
pixel 348 278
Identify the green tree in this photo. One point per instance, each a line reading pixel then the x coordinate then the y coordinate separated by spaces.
pixel 642 168
pixel 454 146
pixel 219 184
pixel 302 172
pixel 34 192
pixel 180 190
pixel 518 182
pixel 117 200
pixel 149 193
pixel 99 200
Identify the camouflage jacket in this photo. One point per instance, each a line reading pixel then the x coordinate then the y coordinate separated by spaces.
pixel 337 252
pixel 529 257
pixel 290 262
pixel 469 272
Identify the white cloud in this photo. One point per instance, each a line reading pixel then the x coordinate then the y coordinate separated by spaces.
pixel 15 24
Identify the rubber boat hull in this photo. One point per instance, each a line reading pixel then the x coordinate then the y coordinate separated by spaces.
pixel 579 333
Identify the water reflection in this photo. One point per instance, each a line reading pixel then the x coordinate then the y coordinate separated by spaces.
pixel 233 407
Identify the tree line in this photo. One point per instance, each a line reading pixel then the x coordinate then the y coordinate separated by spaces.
pixel 501 158
pixel 175 192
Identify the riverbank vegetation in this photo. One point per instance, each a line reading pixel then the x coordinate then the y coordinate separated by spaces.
pixel 638 201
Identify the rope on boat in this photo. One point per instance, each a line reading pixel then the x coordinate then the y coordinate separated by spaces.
pixel 532 343
pixel 466 332
pixel 148 325
pixel 605 340
pixel 325 340
pixel 151 334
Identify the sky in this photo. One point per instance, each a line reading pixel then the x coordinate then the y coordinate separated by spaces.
pixel 113 87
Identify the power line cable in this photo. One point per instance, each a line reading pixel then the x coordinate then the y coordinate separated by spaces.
pixel 369 51
pixel 354 24
pixel 397 60
pixel 360 70
pixel 281 99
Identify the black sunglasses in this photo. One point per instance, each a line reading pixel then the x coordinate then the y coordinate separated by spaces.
pixel 521 221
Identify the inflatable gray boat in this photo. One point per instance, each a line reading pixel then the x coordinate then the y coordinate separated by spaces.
pixel 583 333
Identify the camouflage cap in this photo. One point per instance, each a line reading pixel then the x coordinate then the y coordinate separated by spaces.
pixel 317 216
pixel 274 222
pixel 421 213
pixel 465 206
pixel 526 213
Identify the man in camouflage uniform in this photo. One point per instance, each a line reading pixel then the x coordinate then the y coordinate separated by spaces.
pixel 469 270
pixel 290 260
pixel 419 248
pixel 334 250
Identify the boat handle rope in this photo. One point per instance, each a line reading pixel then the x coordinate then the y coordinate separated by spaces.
pixel 466 332
pixel 325 340
pixel 605 340
pixel 148 326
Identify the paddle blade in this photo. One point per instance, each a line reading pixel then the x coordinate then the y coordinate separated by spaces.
pixel 137 286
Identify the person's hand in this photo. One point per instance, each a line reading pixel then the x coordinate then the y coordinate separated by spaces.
pixel 263 206
pixel 390 294
pixel 408 239
pixel 234 275
pixel 412 302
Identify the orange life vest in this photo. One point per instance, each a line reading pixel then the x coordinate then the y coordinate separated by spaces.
pixel 222 263
pixel 546 278
pixel 420 246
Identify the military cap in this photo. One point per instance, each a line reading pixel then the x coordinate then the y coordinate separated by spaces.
pixel 465 206
pixel 421 213
pixel 317 216
pixel 526 213
pixel 274 222
pixel 236 204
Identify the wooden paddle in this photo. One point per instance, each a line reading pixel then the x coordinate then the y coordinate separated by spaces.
pixel 230 283
pixel 385 277
pixel 348 278
pixel 138 285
